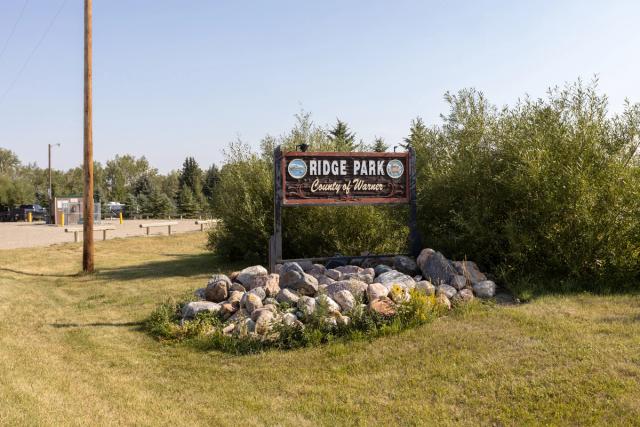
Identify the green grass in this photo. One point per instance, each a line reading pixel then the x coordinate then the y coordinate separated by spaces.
pixel 72 352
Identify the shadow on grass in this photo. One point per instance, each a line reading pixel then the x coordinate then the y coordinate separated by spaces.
pixel 178 266
pixel 97 324
pixel 27 273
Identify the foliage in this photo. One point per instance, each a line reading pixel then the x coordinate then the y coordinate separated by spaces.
pixel 341 138
pixel 187 202
pixel 547 189
pixel 244 202
pixel 379 146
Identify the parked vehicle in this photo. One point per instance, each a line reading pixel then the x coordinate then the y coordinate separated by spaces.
pixel 6 214
pixel 21 213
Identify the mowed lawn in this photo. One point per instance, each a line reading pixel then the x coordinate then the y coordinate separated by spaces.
pixel 72 352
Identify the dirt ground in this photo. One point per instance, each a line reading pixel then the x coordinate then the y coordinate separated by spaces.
pixel 24 235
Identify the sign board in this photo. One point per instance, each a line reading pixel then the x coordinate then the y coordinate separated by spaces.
pixel 333 178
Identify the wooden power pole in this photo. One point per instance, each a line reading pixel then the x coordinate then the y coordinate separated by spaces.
pixel 87 217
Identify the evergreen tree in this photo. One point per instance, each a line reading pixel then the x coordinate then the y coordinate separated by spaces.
pixel 418 133
pixel 341 137
pixel 187 202
pixel 161 204
pixel 379 145
pixel 211 179
pixel 132 206
pixel 143 185
pixel 191 176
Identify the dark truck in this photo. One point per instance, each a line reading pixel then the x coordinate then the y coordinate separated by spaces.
pixel 21 213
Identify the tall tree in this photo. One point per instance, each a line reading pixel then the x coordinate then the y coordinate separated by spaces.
pixel 379 145
pixel 418 133
pixel 191 176
pixel 341 137
pixel 122 172
pixel 211 179
pixel 9 161
pixel 187 202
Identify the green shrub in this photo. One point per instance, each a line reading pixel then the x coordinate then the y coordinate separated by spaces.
pixel 547 189
pixel 244 203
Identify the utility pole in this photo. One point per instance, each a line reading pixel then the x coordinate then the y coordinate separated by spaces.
pixel 87 222
pixel 52 219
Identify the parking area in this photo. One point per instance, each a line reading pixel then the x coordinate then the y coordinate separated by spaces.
pixel 25 235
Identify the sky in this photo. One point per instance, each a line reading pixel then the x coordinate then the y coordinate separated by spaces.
pixel 184 78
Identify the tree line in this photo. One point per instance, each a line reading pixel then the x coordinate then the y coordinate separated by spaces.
pixel 189 191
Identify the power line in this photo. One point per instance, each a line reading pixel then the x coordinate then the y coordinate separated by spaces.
pixel 33 51
pixel 13 30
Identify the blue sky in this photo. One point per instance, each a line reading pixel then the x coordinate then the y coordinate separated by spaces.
pixel 178 78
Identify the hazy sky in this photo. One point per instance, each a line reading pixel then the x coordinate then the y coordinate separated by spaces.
pixel 177 78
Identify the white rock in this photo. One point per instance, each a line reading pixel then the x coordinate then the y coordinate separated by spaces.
pixel 332 306
pixel 190 310
pixel 376 290
pixel 485 289
pixel 345 299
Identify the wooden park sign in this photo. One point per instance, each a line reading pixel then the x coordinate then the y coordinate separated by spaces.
pixel 337 178
pixel 344 178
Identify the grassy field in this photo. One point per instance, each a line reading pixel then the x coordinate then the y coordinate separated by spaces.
pixel 72 353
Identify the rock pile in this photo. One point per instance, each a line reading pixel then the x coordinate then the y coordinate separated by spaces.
pixel 251 301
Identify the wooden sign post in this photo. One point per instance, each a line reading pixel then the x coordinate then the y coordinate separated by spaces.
pixel 335 178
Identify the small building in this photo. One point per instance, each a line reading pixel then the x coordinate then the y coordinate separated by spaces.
pixel 72 208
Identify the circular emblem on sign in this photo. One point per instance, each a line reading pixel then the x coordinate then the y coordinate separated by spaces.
pixel 297 168
pixel 395 169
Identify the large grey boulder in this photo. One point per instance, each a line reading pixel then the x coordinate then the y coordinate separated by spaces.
pixel 332 306
pixel 470 270
pixel 217 288
pixel 317 270
pixel 435 267
pixel 332 273
pixel 425 287
pixel 287 296
pixel 252 302
pixel 260 292
pixel 290 266
pixel 447 290
pixel 191 309
pixel 485 289
pixel 381 268
pixel 345 299
pixel 307 305
pixel 324 280
pixel 458 281
pixel 393 277
pixel 405 264
pixel 376 291
pixel 304 284
pixel 263 321
pixel 248 276
pixel 356 287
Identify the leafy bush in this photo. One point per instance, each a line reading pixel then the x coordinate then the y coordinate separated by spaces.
pixel 547 189
pixel 244 202
pixel 545 193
